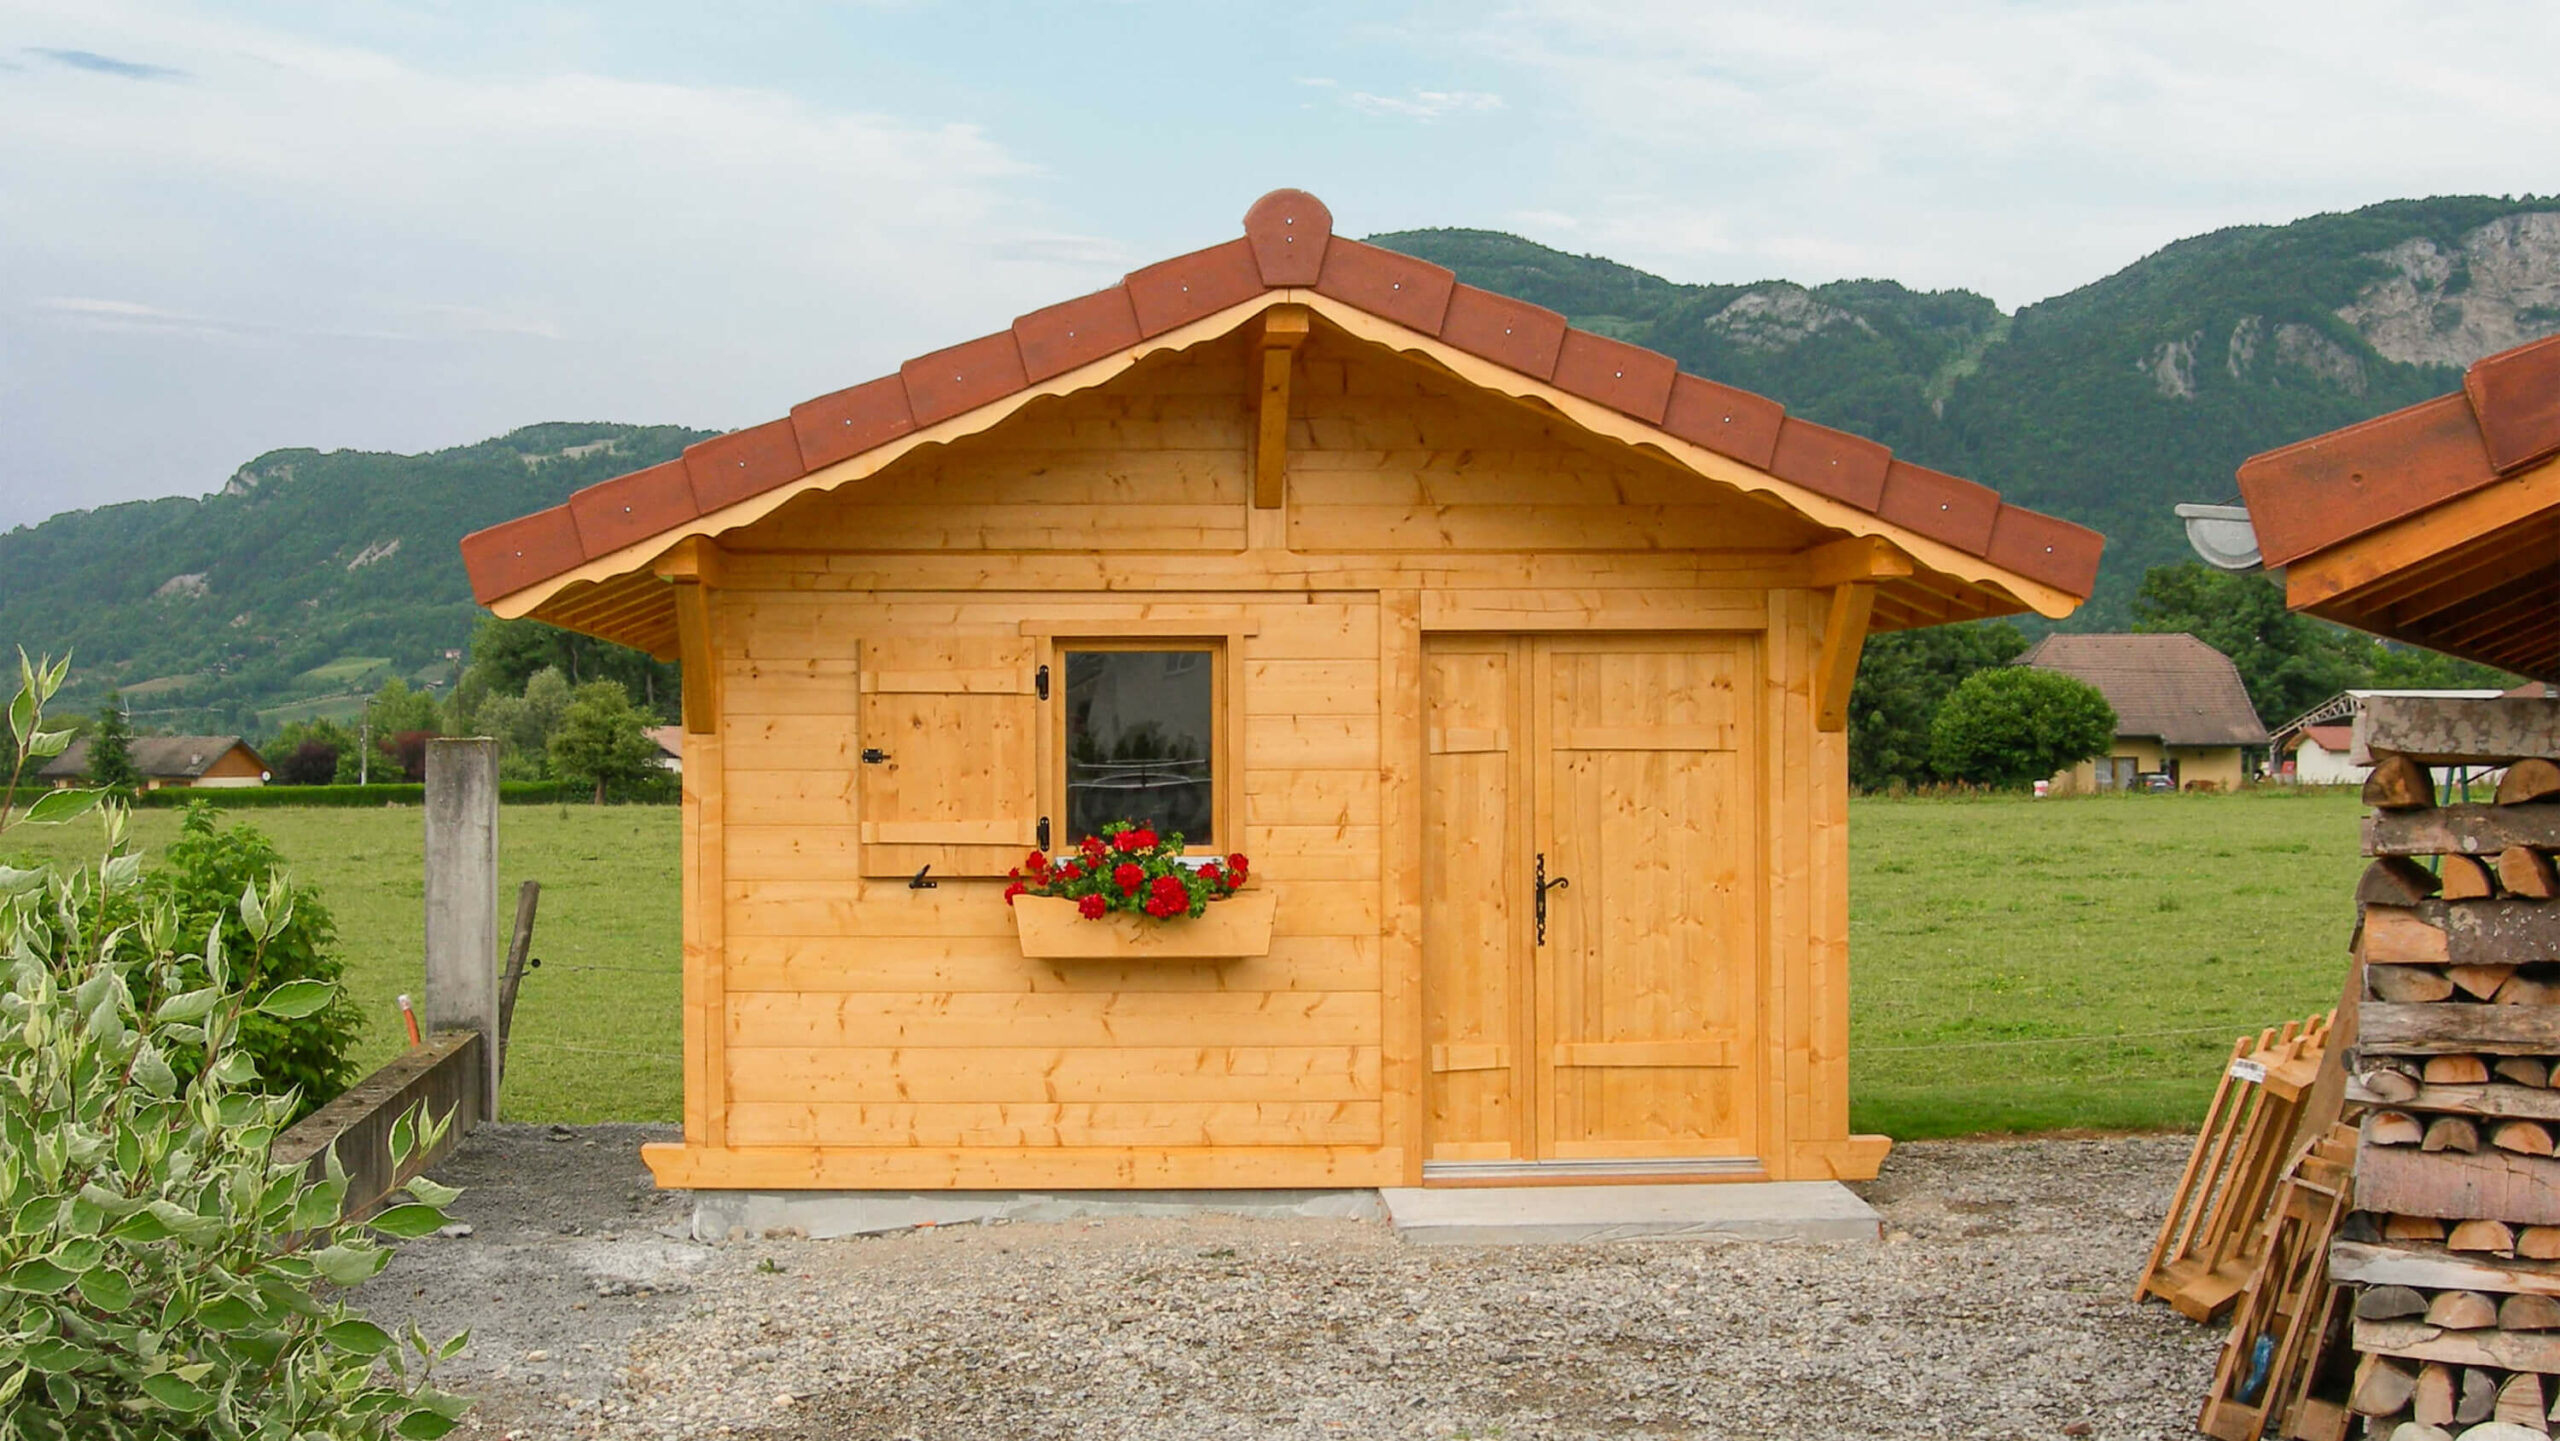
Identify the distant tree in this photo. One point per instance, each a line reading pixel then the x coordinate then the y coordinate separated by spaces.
pixel 311 763
pixel 111 749
pixel 2014 724
pixel 505 654
pixel 396 711
pixel 1902 678
pixel 2400 667
pixel 291 738
pixel 602 740
pixel 2288 661
pixel 409 753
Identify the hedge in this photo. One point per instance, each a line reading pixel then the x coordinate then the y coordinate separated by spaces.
pixel 511 793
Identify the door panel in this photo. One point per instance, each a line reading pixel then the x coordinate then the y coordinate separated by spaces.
pixel 1470 960
pixel 1646 976
pixel 1625 763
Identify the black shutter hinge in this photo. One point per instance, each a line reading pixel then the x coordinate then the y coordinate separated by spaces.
pixel 920 883
pixel 1044 833
pixel 873 755
pixel 1040 682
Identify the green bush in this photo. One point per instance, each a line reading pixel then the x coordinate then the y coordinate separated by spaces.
pixel 201 878
pixel 147 1284
pixel 161 1275
pixel 2012 724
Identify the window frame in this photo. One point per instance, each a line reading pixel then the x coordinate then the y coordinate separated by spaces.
pixel 1223 642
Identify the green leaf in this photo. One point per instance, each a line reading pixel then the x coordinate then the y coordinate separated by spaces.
pixel 152 1074
pixel 236 1068
pixel 192 1005
pixel 14 881
pixel 77 1256
pixel 55 807
pixel 424 1426
pixel 404 1138
pixel 432 1192
pixel 453 1345
pixel 17 1382
pixel 38 1277
pixel 54 1356
pixel 142 1226
pixel 253 912
pixel 357 1338
pixel 175 1394
pixel 106 1289
pixel 407 1221
pixel 45 745
pixel 347 1265
pixel 295 999
pixel 229 1313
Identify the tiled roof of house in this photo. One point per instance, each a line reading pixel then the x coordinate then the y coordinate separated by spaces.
pixel 159 757
pixel 2315 493
pixel 2171 686
pixel 2333 738
pixel 1288 243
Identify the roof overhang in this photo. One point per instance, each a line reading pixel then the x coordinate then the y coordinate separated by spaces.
pixel 1940 548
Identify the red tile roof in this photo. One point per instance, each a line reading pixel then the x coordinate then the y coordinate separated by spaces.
pixel 1288 242
pixel 2311 495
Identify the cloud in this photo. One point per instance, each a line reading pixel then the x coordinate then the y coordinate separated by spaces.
pixel 320 244
pixel 1423 105
pixel 106 64
pixel 2019 149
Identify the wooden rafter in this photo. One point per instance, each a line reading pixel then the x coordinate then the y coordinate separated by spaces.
pixel 1276 338
pixel 696 567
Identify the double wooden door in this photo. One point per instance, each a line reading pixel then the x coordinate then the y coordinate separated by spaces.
pixel 1591 906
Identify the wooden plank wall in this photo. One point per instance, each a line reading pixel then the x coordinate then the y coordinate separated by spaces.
pixel 851 1031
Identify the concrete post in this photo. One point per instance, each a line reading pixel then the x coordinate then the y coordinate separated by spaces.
pixel 462 897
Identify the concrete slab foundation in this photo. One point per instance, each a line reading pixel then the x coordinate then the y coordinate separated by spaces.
pixel 824 1214
pixel 1556 1215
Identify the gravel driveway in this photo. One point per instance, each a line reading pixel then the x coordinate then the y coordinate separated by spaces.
pixel 1996 1308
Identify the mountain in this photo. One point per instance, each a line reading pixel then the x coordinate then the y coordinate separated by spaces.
pixel 2114 402
pixel 303 584
pixel 310 578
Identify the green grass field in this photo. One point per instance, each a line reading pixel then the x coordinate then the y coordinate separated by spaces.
pixel 2016 965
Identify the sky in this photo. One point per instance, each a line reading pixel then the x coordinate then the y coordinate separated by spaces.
pixel 401 226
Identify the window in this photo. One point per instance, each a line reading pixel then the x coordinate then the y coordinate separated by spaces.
pixel 1141 737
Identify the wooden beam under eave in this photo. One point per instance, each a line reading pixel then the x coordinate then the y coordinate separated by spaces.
pixel 2380 554
pixel 1844 637
pixel 1282 329
pixel 701 666
pixel 1858 558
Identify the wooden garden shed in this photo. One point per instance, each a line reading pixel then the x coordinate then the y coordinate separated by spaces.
pixel 1405 589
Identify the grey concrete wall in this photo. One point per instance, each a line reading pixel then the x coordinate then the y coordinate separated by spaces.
pixel 447 1075
pixel 462 897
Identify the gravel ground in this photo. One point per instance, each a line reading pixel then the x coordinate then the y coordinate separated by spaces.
pixel 1996 1308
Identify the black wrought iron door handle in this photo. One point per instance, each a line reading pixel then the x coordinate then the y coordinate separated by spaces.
pixel 1560 883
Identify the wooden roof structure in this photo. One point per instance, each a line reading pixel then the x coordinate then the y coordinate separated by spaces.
pixel 1958 552
pixel 2438 525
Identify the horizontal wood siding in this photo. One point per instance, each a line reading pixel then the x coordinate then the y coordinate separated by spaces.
pixel 865 1033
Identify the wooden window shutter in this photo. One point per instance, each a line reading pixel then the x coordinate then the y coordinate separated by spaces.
pixel 955 725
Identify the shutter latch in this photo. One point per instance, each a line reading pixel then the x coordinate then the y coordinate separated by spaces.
pixel 1044 833
pixel 1040 682
pixel 873 756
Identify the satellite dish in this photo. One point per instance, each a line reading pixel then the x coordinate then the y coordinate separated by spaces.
pixel 2223 535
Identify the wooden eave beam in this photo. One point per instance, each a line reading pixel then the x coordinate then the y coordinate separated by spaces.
pixel 1857 558
pixel 1844 637
pixel 2417 540
pixel 2490 573
pixel 1276 338
pixel 696 567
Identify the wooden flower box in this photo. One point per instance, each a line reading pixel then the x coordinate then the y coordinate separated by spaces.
pixel 1238 926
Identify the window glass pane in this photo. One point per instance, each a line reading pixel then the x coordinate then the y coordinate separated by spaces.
pixel 1139 729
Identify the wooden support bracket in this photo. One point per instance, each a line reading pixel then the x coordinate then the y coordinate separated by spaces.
pixel 1856 558
pixel 1844 636
pixel 695 566
pixel 1276 339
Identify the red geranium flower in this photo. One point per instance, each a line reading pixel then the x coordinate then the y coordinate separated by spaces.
pixel 1145 837
pixel 1071 872
pixel 1211 873
pixel 1238 864
pixel 1036 863
pixel 1128 877
pixel 1093 847
pixel 1125 842
pixel 1017 888
pixel 1092 907
pixel 1170 891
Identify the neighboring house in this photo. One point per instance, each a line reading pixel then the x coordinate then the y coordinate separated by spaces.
pixel 1405 589
pixel 670 741
pixel 2180 710
pixel 202 761
pixel 2312 748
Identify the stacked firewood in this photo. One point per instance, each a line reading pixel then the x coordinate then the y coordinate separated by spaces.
pixel 2454 1245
